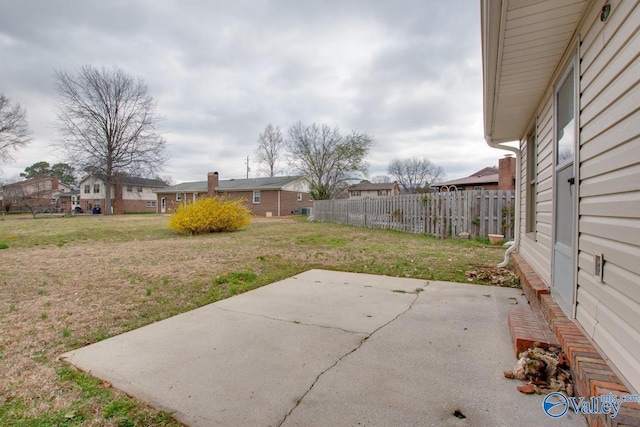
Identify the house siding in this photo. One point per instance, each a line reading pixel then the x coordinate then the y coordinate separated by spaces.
pixel 536 247
pixel 608 171
pixel 609 192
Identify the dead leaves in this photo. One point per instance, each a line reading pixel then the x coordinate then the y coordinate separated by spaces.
pixel 505 277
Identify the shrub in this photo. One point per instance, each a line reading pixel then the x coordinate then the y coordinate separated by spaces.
pixel 210 215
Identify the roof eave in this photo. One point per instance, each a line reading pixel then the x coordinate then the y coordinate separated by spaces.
pixel 502 123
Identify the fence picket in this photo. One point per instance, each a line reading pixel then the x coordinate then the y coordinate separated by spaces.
pixel 438 214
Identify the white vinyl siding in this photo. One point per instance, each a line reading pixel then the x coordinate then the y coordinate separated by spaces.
pixel 538 251
pixel 610 186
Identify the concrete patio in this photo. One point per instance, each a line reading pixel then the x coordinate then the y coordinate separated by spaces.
pixel 330 348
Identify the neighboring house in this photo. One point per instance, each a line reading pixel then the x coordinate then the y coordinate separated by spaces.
pixel 373 190
pixel 562 78
pixel 490 178
pixel 35 195
pixel 273 196
pixel 129 194
pixel 70 201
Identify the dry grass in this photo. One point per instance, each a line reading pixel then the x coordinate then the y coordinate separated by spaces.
pixel 68 282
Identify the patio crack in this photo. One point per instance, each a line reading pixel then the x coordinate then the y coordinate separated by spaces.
pixel 362 341
pixel 295 322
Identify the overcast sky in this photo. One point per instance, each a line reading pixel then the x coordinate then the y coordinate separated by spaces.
pixel 406 72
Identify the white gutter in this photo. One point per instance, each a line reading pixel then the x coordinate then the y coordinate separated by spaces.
pixel 516 226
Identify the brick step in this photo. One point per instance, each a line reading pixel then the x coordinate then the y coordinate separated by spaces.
pixel 527 326
pixel 591 374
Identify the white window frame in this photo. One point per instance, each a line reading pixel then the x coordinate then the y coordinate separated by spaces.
pixel 129 189
pixel 532 181
pixel 355 193
pixel 178 197
pixel 96 188
pixel 299 197
pixel 256 197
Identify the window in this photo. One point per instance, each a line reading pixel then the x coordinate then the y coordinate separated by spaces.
pixel 139 189
pixel 129 189
pixel 178 197
pixel 195 196
pixel 63 201
pixel 566 131
pixel 256 197
pixel 383 192
pixel 532 179
pixel 87 189
pixel 151 204
pixel 478 187
pixel 299 197
pixel 96 188
pixel 355 193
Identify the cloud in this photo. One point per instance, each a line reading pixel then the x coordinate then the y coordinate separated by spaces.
pixel 406 72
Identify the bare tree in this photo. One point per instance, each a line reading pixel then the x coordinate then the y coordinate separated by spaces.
pixel 415 174
pixel 108 125
pixel 327 158
pixel 270 149
pixel 14 130
pixel 381 179
pixel 34 195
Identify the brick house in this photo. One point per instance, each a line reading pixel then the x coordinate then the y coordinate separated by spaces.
pixel 272 196
pixel 373 190
pixel 490 178
pixel 129 194
pixel 39 194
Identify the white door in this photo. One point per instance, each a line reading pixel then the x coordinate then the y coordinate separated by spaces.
pixel 565 193
pixel 163 205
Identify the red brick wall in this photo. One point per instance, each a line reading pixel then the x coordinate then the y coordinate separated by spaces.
pixel 506 173
pixel 269 201
pixel 171 202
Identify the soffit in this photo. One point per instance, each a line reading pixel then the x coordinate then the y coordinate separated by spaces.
pixel 522 42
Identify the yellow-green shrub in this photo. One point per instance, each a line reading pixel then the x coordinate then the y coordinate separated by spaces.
pixel 210 215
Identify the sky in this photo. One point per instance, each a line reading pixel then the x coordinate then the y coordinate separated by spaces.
pixel 406 72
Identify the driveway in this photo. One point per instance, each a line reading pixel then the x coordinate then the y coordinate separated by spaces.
pixel 328 348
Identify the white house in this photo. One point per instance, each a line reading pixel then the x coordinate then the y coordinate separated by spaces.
pixel 562 77
pixel 128 194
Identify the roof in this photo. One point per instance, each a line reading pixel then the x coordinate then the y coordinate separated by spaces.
pixel 131 180
pixel 522 43
pixel 368 186
pixel 488 175
pixel 270 183
pixel 471 180
pixel 185 187
pixel 486 171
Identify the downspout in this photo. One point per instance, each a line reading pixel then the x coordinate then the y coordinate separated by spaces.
pixel 278 202
pixel 518 213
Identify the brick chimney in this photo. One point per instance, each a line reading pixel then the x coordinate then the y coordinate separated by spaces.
pixel 54 183
pixel 212 183
pixel 507 173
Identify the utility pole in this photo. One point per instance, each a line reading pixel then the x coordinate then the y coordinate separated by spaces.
pixel 248 168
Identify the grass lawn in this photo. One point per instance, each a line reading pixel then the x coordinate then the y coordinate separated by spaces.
pixel 72 281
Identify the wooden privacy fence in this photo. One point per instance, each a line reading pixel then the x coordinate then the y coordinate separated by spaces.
pixel 478 212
